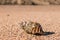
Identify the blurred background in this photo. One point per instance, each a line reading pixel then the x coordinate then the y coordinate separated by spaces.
pixel 29 2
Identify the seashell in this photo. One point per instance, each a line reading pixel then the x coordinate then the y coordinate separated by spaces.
pixel 31 27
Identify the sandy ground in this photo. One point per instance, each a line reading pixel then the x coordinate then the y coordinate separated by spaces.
pixel 11 16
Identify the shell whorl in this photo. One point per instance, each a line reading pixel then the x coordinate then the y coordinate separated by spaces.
pixel 31 27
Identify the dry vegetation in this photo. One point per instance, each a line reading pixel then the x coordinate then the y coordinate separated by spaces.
pixel 30 2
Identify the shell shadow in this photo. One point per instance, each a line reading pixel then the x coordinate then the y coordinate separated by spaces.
pixel 45 34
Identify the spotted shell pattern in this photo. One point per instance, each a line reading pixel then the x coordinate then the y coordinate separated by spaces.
pixel 31 27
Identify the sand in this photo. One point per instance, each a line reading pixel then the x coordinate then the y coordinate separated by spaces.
pixel 12 15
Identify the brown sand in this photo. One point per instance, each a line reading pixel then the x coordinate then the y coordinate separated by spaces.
pixel 11 16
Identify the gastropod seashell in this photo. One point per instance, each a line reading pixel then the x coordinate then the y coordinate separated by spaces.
pixel 31 27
